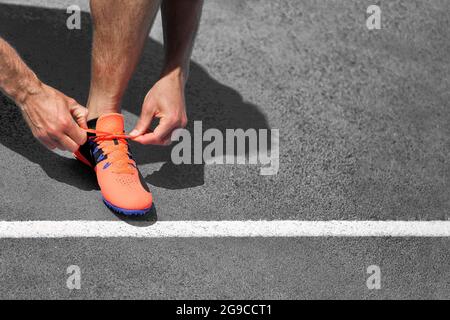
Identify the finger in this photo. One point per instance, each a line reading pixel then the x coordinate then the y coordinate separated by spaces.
pixel 78 135
pixel 143 123
pixel 80 114
pixel 167 142
pixel 164 142
pixel 43 138
pixel 68 144
pixel 160 135
pixel 58 145
pixel 47 142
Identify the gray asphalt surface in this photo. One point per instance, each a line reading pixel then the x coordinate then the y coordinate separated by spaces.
pixel 363 118
pixel 226 268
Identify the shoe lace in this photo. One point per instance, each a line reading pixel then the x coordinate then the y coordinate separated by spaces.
pixel 117 153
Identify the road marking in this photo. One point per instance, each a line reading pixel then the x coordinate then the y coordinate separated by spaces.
pixel 234 229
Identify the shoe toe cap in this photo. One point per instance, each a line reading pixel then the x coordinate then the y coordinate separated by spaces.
pixel 125 193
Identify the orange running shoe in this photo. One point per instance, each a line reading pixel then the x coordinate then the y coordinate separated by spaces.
pixel 119 179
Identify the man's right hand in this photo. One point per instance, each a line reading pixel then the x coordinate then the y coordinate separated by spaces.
pixel 55 119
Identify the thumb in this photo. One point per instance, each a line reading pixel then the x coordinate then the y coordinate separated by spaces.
pixel 79 114
pixel 143 124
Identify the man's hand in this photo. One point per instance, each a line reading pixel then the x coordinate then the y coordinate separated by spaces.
pixel 54 118
pixel 166 102
pixel 166 99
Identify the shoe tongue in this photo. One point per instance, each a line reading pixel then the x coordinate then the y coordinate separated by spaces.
pixel 111 123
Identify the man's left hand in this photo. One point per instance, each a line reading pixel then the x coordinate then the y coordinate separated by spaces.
pixel 166 102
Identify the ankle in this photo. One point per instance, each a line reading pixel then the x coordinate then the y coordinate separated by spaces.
pixel 96 113
pixel 99 107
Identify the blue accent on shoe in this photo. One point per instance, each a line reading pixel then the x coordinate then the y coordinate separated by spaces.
pixel 106 166
pixel 125 211
pixel 101 158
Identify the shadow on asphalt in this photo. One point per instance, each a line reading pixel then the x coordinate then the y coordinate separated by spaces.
pixel 61 58
pixel 143 221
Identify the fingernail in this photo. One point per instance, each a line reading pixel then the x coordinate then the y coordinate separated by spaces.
pixel 134 133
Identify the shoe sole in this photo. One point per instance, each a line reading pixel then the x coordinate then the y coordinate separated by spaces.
pixel 112 207
pixel 126 212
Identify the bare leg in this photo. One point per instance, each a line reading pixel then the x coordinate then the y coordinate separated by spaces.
pixel 180 23
pixel 120 30
pixel 166 98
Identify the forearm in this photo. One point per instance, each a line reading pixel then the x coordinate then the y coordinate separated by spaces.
pixel 17 80
pixel 180 23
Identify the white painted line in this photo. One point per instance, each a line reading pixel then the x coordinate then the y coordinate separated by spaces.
pixel 235 229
